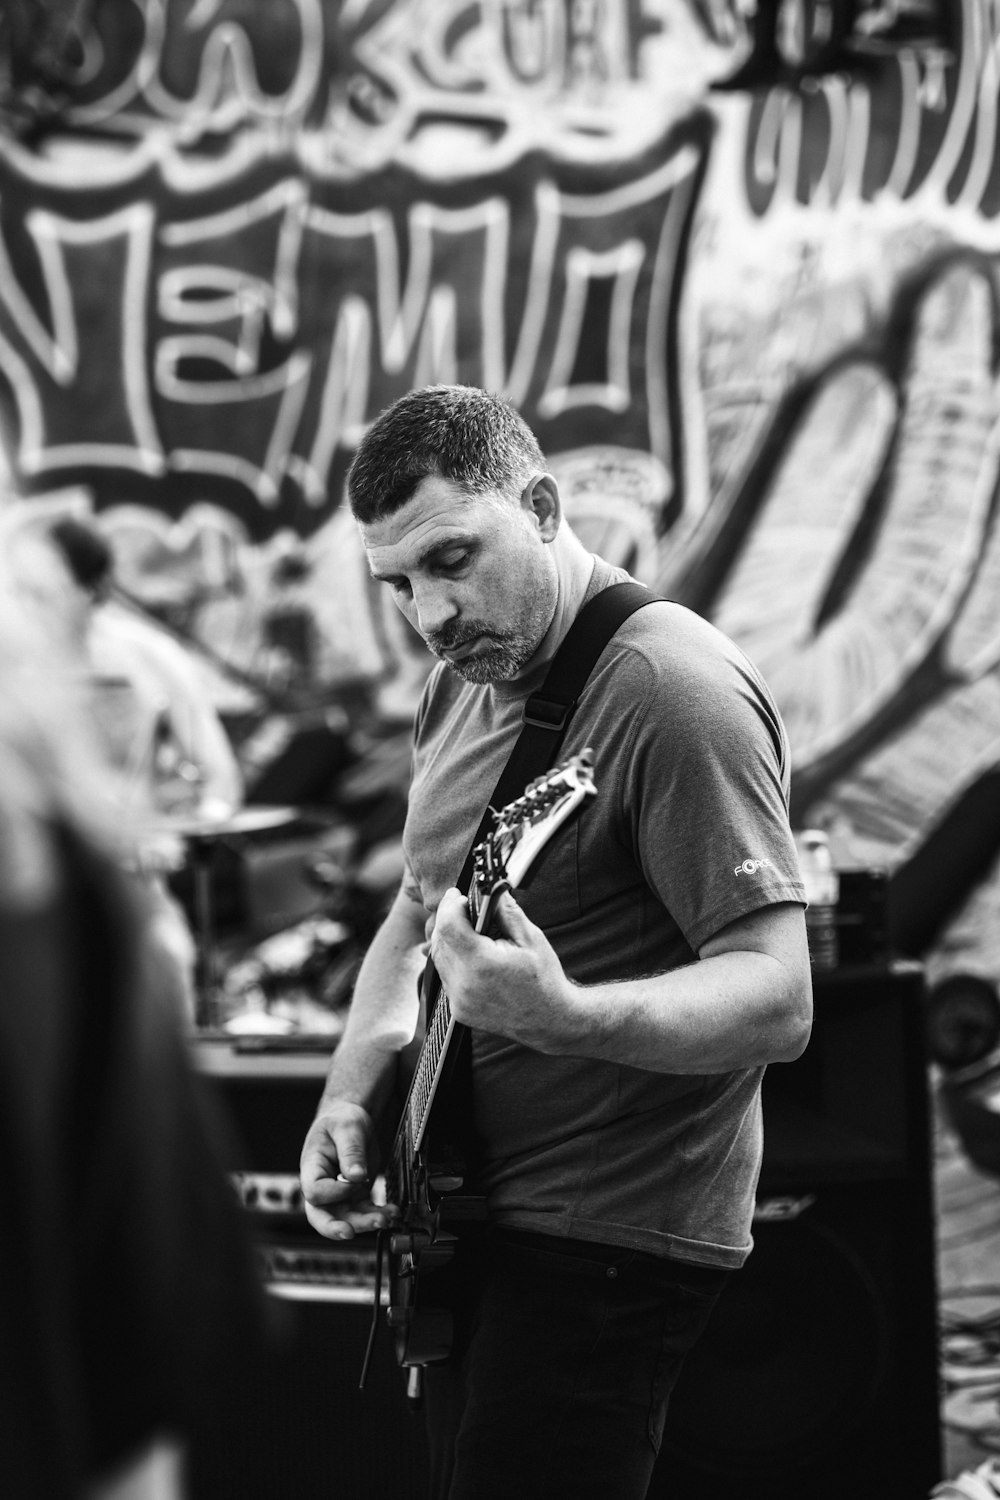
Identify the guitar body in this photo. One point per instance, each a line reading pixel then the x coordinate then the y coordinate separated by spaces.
pixel 433 1209
pixel 432 1158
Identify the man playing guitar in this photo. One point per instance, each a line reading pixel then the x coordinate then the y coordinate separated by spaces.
pixel 620 1012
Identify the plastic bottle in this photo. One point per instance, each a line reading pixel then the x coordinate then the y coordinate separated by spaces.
pixel 822 885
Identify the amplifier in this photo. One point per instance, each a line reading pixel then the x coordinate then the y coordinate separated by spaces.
pixel 299 1424
pixel 817 1377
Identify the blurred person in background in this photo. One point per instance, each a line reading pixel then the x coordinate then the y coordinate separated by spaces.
pixel 156 721
pixel 127 1291
pixel 166 732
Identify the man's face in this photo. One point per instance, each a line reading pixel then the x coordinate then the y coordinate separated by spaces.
pixel 475 578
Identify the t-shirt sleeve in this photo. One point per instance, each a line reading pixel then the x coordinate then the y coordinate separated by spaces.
pixel 707 787
pixel 410 884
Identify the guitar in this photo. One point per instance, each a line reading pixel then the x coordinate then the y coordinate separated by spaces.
pixel 427 1165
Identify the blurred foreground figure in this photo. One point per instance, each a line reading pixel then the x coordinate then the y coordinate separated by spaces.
pixel 127 1292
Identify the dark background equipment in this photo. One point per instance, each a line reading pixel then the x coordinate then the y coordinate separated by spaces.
pixel 818 1375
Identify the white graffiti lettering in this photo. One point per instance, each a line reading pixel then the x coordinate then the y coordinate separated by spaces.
pixel 252 343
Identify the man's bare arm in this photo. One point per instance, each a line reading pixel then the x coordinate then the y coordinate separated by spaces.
pixel 339 1160
pixel 746 1001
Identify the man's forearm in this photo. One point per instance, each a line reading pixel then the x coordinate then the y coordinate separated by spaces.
pixel 729 1011
pixel 362 1071
pixel 383 1014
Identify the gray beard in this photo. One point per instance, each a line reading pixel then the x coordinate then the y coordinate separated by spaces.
pixel 498 662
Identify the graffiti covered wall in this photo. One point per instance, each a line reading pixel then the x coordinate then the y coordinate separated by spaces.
pixel 755 333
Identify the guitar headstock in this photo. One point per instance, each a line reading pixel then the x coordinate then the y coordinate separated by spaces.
pixel 523 827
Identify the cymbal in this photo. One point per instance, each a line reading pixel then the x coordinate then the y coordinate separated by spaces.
pixel 252 819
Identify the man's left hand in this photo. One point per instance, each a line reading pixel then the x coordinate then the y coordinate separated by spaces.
pixel 510 984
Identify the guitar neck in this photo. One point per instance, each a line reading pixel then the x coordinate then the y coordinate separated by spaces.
pixel 441 1032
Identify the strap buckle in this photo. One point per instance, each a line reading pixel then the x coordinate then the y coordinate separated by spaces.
pixel 547 713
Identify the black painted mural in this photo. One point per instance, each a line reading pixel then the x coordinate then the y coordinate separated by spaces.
pixel 754 328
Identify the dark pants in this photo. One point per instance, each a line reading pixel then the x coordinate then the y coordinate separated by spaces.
pixel 564 1358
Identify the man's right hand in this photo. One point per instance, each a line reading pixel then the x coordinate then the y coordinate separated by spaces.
pixel 336 1171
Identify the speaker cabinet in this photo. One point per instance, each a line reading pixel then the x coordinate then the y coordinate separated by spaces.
pixel 817 1376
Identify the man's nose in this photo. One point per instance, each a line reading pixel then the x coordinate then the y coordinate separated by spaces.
pixel 434 607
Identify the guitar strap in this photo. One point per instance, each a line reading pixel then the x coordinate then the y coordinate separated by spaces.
pixel 547 712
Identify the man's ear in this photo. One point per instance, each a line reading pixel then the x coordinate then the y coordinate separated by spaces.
pixel 540 497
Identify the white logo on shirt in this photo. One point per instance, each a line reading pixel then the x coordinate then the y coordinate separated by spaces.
pixel 781 1210
pixel 750 866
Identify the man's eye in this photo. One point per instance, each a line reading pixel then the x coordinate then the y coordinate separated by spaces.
pixel 453 561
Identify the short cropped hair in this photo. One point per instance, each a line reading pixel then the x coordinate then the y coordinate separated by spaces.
pixel 85 551
pixel 456 432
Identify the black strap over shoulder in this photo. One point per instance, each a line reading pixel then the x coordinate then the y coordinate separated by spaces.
pixel 546 718
pixel 547 713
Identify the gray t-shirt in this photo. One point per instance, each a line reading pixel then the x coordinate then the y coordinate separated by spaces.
pixel 688 831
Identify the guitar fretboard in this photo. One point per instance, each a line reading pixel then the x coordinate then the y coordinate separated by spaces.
pixel 425 1079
